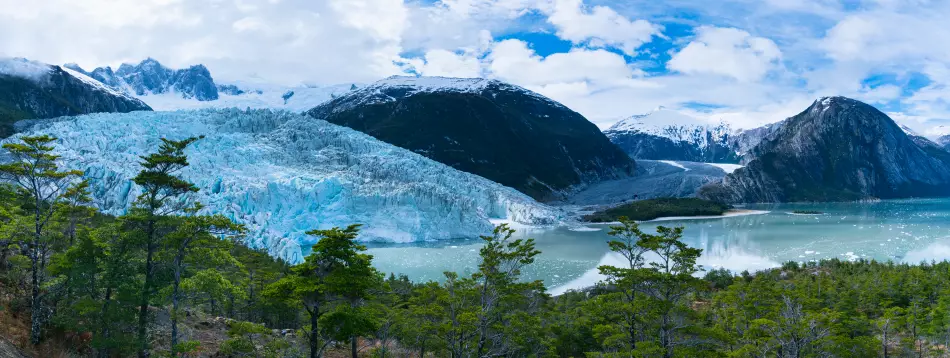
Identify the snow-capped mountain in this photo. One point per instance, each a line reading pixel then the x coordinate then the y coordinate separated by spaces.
pixel 151 78
pixel 838 149
pixel 30 89
pixel 665 134
pixel 486 127
pixel 282 174
pixel 166 89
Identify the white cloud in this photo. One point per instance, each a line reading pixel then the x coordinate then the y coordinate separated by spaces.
pixel 727 52
pixel 512 60
pixel 600 27
pixel 449 64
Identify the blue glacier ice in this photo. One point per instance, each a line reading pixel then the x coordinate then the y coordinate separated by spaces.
pixel 282 174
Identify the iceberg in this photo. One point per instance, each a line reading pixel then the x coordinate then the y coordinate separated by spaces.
pixel 282 174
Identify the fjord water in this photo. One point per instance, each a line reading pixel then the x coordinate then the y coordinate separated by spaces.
pixel 912 230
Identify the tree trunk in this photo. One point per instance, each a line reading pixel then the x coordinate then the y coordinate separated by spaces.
pixel 146 294
pixel 36 308
pixel 104 352
pixel 175 299
pixel 314 341
pixel 353 349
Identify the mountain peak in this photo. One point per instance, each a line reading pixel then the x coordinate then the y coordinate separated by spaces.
pixel 837 101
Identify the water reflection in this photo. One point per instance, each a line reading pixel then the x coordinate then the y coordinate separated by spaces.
pixel 902 230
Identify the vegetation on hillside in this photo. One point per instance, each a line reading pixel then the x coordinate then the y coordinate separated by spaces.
pixel 650 209
pixel 93 284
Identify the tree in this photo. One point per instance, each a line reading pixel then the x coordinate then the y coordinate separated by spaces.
pixel 201 235
pixel 331 276
pixel 161 197
pixel 627 281
pixel 498 275
pixel 34 171
pixel 672 283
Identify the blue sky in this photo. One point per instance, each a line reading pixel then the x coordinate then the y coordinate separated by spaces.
pixel 745 62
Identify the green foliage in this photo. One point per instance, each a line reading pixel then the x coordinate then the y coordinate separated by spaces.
pixel 663 207
pixel 96 273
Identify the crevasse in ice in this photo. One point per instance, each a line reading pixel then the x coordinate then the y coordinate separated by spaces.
pixel 282 174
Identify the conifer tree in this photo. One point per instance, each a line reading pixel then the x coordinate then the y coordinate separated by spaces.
pixel 203 236
pixel 161 198
pixel 331 276
pixel 34 171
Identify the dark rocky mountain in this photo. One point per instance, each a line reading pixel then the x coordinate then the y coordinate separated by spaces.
pixel 33 90
pixel 838 149
pixel 669 135
pixel 496 130
pixel 151 77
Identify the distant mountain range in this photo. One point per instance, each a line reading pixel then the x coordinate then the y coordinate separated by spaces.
pixel 838 149
pixel 490 128
pixel 31 90
pixel 164 88
pixel 665 134
pixel 150 78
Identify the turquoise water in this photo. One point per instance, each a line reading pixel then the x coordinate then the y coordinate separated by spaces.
pixel 900 230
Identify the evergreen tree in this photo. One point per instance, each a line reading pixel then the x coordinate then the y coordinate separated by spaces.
pixel 152 215
pixel 334 274
pixel 34 171
pixel 197 238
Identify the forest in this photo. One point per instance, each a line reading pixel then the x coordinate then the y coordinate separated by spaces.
pixel 166 280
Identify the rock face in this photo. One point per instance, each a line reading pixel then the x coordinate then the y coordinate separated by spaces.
pixel 838 149
pixel 669 135
pixel 33 90
pixel 496 130
pixel 149 78
pixel 743 141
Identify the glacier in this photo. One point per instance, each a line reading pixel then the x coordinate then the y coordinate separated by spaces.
pixel 282 174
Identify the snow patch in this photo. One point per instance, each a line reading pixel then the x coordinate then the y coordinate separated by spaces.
pixel 95 84
pixel 728 168
pixel 675 164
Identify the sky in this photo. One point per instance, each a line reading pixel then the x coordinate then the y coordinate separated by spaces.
pixel 744 62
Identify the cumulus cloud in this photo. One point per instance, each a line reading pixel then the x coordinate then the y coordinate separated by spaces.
pixel 600 27
pixel 512 60
pixel 748 62
pixel 449 64
pixel 728 52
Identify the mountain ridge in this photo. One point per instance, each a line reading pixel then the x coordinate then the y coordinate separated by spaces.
pixel 838 149
pixel 34 90
pixel 500 131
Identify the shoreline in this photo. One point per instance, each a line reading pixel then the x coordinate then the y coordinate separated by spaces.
pixel 728 214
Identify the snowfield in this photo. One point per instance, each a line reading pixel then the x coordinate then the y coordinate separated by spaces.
pixel 282 174
pixel 257 96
